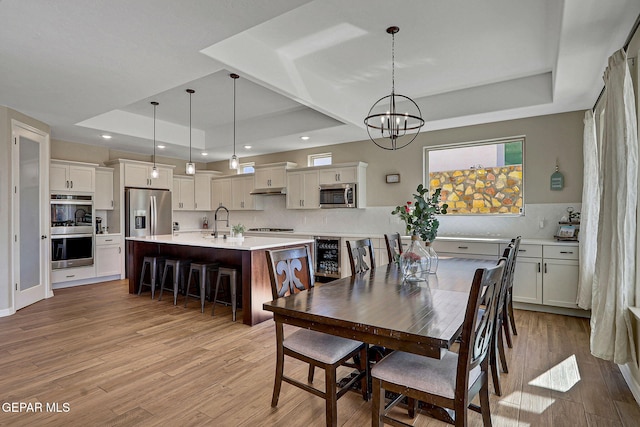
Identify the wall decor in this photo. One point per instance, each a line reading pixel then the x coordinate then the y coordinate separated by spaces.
pixel 392 178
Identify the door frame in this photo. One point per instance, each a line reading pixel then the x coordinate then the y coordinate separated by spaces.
pixel 22 129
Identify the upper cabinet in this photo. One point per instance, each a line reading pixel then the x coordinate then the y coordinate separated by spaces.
pixel 302 189
pixel 182 197
pixel 103 198
pixel 220 193
pixel 241 198
pixel 272 175
pixel 202 191
pixel 348 173
pixel 72 176
pixel 138 174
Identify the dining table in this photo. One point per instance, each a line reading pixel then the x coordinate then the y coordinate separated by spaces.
pixel 378 307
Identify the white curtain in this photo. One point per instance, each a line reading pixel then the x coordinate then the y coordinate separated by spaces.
pixel 614 275
pixel 590 211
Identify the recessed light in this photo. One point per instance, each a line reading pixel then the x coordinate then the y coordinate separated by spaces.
pixel 105 136
pixel 304 138
pixel 162 147
pixel 247 147
pixel 205 154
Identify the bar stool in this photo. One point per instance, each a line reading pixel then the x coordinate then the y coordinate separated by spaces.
pixel 231 273
pixel 203 271
pixel 154 263
pixel 178 267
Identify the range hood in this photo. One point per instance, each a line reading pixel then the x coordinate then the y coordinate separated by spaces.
pixel 269 191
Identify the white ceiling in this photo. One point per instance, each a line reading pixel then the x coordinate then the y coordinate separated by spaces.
pixel 306 67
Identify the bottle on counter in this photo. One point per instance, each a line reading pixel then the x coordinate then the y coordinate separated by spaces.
pixel 205 223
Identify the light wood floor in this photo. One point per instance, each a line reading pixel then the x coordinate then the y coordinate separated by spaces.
pixel 119 359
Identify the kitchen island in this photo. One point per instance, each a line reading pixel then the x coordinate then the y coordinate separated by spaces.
pixel 247 256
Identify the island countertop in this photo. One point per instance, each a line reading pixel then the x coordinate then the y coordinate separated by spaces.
pixel 249 243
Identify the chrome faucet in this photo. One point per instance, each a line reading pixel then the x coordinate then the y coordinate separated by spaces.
pixel 215 220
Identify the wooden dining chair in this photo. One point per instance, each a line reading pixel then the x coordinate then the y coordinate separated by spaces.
pixel 291 271
pixel 508 316
pixel 454 380
pixel 394 246
pixel 357 250
pixel 496 352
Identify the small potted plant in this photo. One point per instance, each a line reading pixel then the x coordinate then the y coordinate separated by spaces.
pixel 237 230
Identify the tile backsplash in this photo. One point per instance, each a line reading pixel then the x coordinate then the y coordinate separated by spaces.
pixel 539 220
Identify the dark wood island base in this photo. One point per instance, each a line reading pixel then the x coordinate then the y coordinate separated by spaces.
pixel 251 265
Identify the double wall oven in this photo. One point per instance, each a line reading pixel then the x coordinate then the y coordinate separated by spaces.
pixel 72 230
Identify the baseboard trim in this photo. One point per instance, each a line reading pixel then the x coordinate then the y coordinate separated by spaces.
pixel 633 384
pixel 7 312
pixel 552 309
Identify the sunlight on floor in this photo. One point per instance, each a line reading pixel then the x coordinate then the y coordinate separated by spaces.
pixel 561 377
pixel 533 403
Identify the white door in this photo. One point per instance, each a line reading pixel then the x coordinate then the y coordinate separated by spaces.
pixel 30 157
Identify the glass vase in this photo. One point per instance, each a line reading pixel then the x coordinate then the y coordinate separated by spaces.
pixel 415 262
pixel 433 258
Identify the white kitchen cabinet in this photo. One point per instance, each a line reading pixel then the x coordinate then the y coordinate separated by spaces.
pixel 103 198
pixel 202 191
pixel 138 174
pixel 108 255
pixel 241 198
pixel 346 175
pixel 183 194
pixel 303 189
pixel 72 176
pixel 560 269
pixel 221 193
pixel 527 280
pixel 467 249
pixel 272 175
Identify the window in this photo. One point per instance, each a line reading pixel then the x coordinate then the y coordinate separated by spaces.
pixel 246 167
pixel 482 177
pixel 319 159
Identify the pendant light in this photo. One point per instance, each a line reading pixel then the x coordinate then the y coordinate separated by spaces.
pixel 385 122
pixel 233 162
pixel 154 171
pixel 190 168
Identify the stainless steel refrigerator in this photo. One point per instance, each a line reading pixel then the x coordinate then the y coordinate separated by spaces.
pixel 148 212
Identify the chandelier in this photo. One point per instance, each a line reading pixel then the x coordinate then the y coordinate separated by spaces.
pixel 154 171
pixel 388 125
pixel 233 161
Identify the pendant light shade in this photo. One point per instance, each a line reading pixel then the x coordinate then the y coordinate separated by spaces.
pixel 394 120
pixel 233 161
pixel 190 167
pixel 154 171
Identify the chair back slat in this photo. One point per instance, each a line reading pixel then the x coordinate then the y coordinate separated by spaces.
pixel 516 248
pixel 394 246
pixel 290 270
pixel 357 250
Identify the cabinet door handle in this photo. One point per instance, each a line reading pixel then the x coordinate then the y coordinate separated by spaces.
pixel 545 268
pixel 67 184
pixel 566 252
pixel 522 250
pixel 112 203
pixel 70 276
pixel 71 184
pixel 538 267
pixel 119 250
pixel 108 240
pixel 463 247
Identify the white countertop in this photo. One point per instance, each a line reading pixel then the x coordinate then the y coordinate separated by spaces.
pixel 249 243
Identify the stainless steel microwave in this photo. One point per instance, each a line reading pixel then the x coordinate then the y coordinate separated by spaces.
pixel 338 196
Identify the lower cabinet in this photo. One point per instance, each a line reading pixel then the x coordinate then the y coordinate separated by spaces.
pixel 108 255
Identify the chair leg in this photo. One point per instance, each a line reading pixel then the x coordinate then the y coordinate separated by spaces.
pixel 501 353
pixel 312 370
pixel 154 272
pixel 277 385
pixel 164 278
pixel 510 311
pixel 377 408
pixel 144 269
pixel 331 412
pixel 203 287
pixel 186 292
pixel 484 405
pixel 505 327
pixel 215 293
pixel 412 406
pixel 176 281
pixel 233 283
